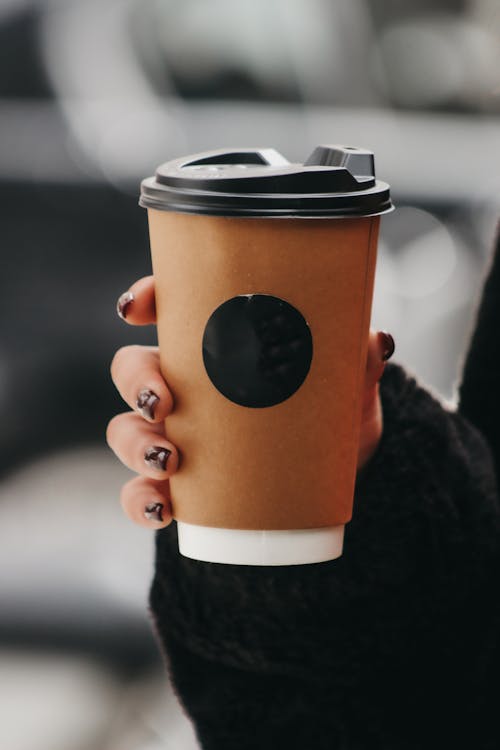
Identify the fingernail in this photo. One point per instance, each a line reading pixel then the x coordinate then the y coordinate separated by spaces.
pixel 146 403
pixel 154 512
pixel 388 345
pixel 156 457
pixel 124 301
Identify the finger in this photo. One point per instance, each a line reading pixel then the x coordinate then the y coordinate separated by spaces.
pixel 135 371
pixel 137 305
pixel 142 447
pixel 380 348
pixel 147 502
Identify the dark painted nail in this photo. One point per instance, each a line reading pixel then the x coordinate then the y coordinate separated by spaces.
pixel 157 457
pixel 154 512
pixel 124 302
pixel 388 345
pixel 146 403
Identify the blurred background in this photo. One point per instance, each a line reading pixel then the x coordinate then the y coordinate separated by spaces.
pixel 93 95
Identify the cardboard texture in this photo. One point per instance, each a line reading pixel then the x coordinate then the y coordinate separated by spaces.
pixel 288 466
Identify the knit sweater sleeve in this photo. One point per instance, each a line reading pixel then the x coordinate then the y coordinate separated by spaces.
pixel 380 648
pixel 480 391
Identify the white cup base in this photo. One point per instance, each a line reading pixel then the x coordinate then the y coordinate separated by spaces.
pixel 256 547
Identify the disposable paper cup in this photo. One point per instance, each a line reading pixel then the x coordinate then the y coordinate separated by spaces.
pixel 263 327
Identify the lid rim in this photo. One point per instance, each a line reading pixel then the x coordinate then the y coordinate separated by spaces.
pixel 205 210
pixel 286 190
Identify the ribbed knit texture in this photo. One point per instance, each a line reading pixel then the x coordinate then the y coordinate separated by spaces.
pixel 480 391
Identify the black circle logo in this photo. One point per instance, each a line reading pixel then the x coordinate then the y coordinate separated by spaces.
pixel 257 349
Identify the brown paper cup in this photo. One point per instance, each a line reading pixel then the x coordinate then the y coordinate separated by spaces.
pixel 289 467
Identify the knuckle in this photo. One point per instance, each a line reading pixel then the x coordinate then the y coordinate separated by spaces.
pixel 113 428
pixel 117 361
pixel 121 359
pixel 125 493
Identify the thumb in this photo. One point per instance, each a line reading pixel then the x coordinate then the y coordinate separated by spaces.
pixel 380 349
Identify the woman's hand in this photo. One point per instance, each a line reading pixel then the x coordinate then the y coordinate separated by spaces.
pixel 138 437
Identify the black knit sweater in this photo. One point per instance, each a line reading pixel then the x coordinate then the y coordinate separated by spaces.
pixel 394 645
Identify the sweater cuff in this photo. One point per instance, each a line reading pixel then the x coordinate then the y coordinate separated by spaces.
pixel 425 522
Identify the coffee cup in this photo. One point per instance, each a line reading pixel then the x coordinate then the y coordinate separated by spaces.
pixel 264 277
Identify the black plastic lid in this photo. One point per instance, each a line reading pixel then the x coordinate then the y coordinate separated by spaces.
pixel 335 181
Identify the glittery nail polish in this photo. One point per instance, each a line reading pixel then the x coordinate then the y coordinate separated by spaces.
pixel 146 403
pixel 156 457
pixel 124 301
pixel 154 512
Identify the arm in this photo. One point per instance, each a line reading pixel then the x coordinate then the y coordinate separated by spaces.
pixel 382 645
pixel 479 392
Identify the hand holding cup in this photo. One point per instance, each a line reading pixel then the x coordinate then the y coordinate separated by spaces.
pixel 260 265
pixel 138 435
